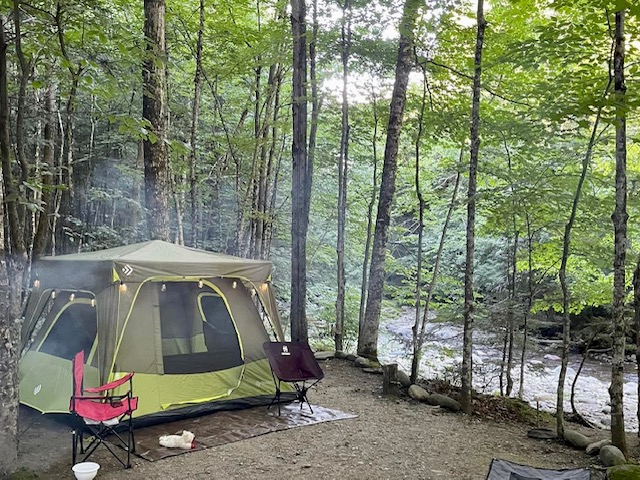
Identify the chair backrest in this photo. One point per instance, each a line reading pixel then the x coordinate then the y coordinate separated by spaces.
pixel 78 372
pixel 292 361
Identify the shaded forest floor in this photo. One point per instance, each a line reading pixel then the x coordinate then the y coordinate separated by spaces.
pixel 390 438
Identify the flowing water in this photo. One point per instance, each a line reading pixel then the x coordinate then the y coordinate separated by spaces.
pixel 442 355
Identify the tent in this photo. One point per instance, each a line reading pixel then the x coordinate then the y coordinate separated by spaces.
pixel 504 470
pixel 189 323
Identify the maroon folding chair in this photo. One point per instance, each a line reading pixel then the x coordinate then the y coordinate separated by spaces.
pixel 99 415
pixel 293 362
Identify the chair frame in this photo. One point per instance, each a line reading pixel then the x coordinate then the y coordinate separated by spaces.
pixel 299 383
pixel 95 431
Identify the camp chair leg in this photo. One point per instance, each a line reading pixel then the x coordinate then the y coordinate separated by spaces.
pixel 276 399
pixel 74 446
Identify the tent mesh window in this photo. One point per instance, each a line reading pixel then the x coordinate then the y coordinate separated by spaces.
pixel 74 330
pixel 198 334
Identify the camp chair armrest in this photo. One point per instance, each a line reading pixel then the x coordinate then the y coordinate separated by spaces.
pixel 89 397
pixel 110 386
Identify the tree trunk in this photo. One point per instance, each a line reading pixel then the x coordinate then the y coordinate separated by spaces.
pixel 419 342
pixel 525 322
pixel 512 302
pixel 368 335
pixel 42 230
pixel 562 274
pixel 195 115
pixel 619 218
pixel 343 160
pixel 154 110
pixel 467 348
pixel 300 182
pixel 636 322
pixel 370 205
pixel 12 267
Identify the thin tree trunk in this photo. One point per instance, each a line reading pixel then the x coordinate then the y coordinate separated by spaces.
pixel 343 160
pixel 619 218
pixel 25 74
pixel 48 158
pixel 510 315
pixel 636 322
pixel 417 344
pixel 370 205
pixel 368 336
pixel 467 348
pixel 300 173
pixel 525 324
pixel 195 115
pixel 154 110
pixel 562 274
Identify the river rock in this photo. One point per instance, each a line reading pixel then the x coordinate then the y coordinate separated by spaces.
pixel 443 401
pixel 324 355
pixel 594 448
pixel 576 439
pixel 375 371
pixel 365 363
pixel 404 379
pixel 418 393
pixel 624 472
pixel 611 456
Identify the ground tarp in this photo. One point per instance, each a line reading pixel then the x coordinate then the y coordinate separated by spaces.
pixel 504 470
pixel 230 426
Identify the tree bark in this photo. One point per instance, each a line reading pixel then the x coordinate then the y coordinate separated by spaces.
pixel 12 266
pixel 300 184
pixel 343 160
pixel 562 275
pixel 619 218
pixel 195 115
pixel 43 229
pixel 525 322
pixel 636 322
pixel 370 205
pixel 467 348
pixel 368 335
pixel 154 110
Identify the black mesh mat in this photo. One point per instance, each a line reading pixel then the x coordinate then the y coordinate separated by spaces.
pixel 504 470
pixel 230 426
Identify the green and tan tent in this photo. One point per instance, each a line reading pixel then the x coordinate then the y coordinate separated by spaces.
pixel 189 323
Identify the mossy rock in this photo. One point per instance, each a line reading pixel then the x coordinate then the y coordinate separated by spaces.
pixel 23 474
pixel 624 472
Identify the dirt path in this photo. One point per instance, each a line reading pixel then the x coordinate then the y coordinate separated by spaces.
pixel 391 438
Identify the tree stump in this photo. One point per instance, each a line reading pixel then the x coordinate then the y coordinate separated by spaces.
pixel 390 383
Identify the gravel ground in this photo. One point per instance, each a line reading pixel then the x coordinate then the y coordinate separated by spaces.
pixel 391 438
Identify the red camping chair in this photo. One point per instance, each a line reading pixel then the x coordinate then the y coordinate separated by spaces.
pixel 293 362
pixel 98 415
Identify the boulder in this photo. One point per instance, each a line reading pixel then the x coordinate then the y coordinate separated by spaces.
pixel 324 355
pixel 341 354
pixel 375 371
pixel 404 379
pixel 624 472
pixel 611 456
pixel 576 439
pixel 594 448
pixel 366 363
pixel 351 357
pixel 418 393
pixel 443 401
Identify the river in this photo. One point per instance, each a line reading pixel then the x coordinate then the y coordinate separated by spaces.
pixel 443 353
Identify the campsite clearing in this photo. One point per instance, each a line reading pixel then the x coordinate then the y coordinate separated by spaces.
pixel 391 438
